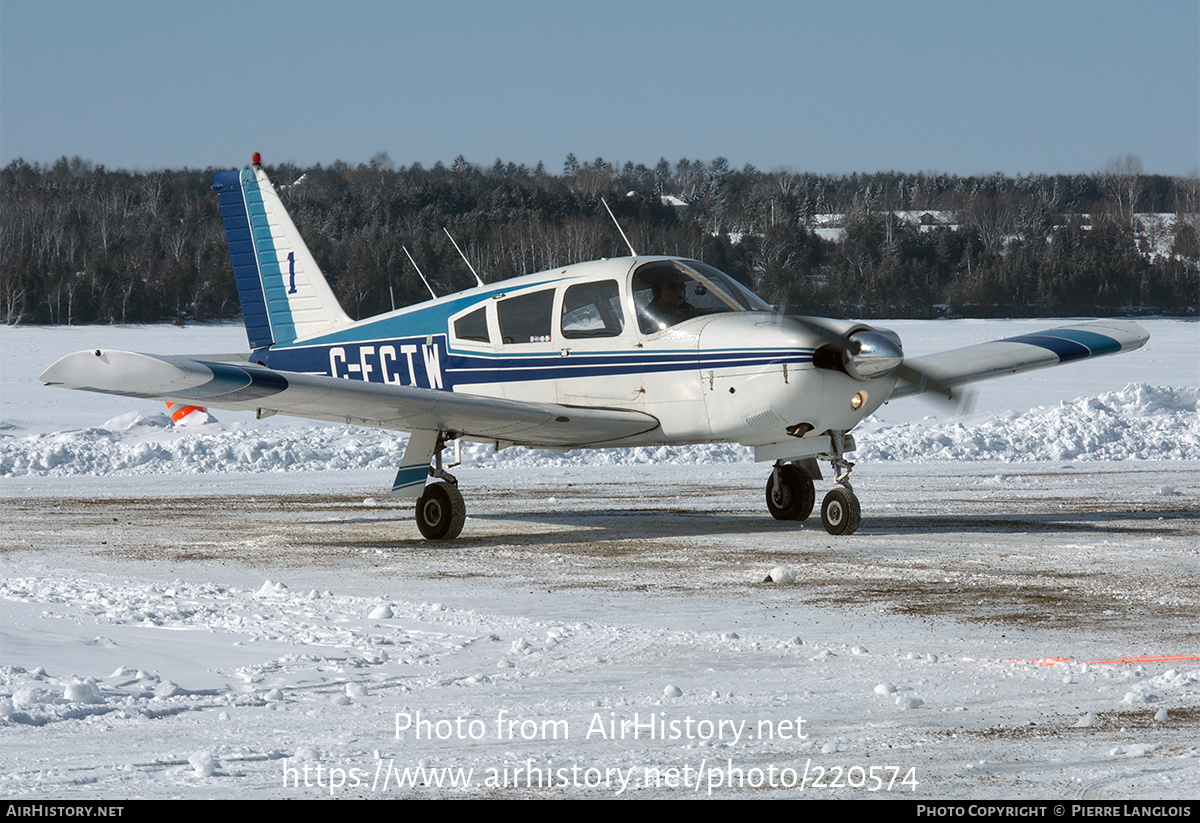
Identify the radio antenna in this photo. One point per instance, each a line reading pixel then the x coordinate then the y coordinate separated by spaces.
pixel 632 253
pixel 418 268
pixel 463 256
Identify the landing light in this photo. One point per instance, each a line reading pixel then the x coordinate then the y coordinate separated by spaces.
pixel 856 402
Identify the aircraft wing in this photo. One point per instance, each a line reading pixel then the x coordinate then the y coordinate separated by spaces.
pixel 403 408
pixel 938 372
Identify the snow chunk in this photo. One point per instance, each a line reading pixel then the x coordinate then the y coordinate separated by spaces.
pixel 167 689
pixel 780 574
pixel 82 692
pixel 132 421
pixel 203 762
pixel 1133 750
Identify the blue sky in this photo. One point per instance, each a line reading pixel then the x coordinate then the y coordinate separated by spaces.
pixel 960 87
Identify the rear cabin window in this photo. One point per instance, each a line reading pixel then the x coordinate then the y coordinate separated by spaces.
pixel 526 319
pixel 592 310
pixel 473 326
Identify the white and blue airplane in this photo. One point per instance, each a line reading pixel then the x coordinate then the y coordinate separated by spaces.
pixel 630 351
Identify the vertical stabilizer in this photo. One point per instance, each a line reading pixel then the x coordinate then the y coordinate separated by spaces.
pixel 284 296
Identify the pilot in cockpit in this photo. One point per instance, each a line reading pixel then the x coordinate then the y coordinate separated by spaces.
pixel 669 305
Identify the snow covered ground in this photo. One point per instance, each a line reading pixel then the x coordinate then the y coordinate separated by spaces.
pixel 237 610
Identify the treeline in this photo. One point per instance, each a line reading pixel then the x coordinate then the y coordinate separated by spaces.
pixel 81 244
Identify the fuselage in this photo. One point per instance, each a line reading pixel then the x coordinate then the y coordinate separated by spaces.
pixel 724 368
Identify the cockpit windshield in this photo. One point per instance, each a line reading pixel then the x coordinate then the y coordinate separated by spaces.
pixel 667 292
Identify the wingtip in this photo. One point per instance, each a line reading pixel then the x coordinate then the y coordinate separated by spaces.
pixel 1129 334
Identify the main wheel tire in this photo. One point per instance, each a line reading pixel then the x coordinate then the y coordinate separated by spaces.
pixel 794 498
pixel 441 512
pixel 840 512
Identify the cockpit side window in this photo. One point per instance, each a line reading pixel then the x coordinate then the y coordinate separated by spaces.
pixel 526 318
pixel 473 326
pixel 660 296
pixel 592 310
pixel 669 292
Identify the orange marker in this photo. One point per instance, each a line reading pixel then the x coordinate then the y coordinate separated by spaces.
pixel 1160 658
pixel 179 412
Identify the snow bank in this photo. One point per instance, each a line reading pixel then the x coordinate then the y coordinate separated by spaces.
pixel 1138 422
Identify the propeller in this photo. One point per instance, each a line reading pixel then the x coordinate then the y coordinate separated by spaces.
pixel 865 353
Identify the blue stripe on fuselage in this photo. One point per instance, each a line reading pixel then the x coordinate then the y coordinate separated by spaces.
pixel 427 362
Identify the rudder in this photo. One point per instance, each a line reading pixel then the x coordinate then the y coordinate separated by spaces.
pixel 283 294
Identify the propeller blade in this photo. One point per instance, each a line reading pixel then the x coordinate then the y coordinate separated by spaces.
pixel 825 332
pixel 958 400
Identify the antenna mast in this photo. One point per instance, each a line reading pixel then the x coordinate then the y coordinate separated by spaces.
pixel 463 256
pixel 632 253
pixel 418 268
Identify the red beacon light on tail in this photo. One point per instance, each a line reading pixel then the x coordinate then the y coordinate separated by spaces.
pixel 256 159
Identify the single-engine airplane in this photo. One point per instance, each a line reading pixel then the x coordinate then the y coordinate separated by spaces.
pixel 609 353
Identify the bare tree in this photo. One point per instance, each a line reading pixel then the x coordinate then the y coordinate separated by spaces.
pixel 1121 179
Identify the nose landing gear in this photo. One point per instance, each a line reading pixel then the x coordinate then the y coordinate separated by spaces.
pixel 791 496
pixel 840 512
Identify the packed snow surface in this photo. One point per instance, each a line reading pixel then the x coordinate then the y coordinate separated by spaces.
pixel 236 609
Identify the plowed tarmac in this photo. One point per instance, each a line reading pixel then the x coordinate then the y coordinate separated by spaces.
pixel 1085 547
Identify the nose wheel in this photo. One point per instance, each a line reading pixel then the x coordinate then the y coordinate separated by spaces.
pixel 840 511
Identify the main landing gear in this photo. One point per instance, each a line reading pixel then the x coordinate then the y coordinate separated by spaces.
pixel 791 496
pixel 440 508
pixel 441 511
